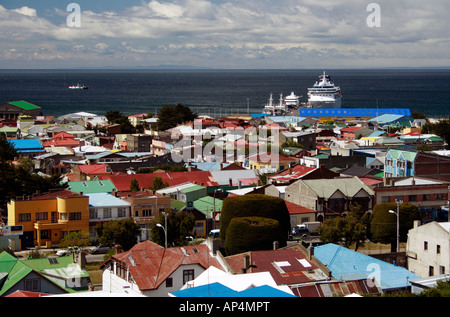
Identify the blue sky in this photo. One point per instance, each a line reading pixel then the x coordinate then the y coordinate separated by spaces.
pixel 289 34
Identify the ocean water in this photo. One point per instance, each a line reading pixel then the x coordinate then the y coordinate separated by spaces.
pixel 221 92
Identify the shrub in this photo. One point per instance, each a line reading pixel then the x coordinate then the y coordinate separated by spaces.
pixel 252 233
pixel 255 205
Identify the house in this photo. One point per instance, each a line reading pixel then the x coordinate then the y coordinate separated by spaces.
pixel 206 211
pixel 330 197
pixel 399 163
pixel 428 249
pixel 151 270
pixel 12 110
pixel 270 162
pixel 429 195
pixel 49 217
pixel 11 132
pixel 28 147
pixel 347 265
pixel 354 132
pixel 94 186
pixel 337 288
pixel 307 139
pixel 46 275
pixel 136 119
pixel 145 180
pixel 145 206
pixel 139 142
pixel 217 283
pixel 392 120
pixel 63 139
pixel 90 172
pixel 104 207
pixel 291 174
pixel 287 266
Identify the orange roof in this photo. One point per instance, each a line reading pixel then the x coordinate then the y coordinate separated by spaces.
pixel 151 264
pixel 93 168
pixel 297 209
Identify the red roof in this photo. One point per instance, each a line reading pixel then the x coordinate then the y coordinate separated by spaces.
pixel 20 293
pixel 296 172
pixel 122 182
pixel 150 264
pixel 297 209
pixel 284 265
pixel 350 129
pixel 93 168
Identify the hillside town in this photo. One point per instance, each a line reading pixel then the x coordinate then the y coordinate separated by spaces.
pixel 321 164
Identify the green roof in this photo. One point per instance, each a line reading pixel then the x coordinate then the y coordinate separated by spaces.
pixel 192 188
pixel 90 187
pixel 11 271
pixel 24 105
pixel 206 204
pixel 327 187
pixel 409 156
pixel 177 204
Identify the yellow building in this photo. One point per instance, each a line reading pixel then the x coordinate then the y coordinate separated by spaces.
pixel 48 218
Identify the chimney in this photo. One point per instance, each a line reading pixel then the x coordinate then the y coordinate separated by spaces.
pixel 246 263
pixel 230 181
pixel 240 184
pixel 416 223
pixel 275 245
pixel 118 248
pixel 310 252
pixel 290 169
pixel 82 260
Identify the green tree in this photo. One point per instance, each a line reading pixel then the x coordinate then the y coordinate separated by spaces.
pixel 123 232
pixel 134 185
pixel 7 151
pixel 179 225
pixel 115 116
pixel 260 233
pixel 442 289
pixel 256 205
pixel 75 239
pixel 440 128
pixel 157 183
pixel 170 116
pixel 347 230
pixel 383 224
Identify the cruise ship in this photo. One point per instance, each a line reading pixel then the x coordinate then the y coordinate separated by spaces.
pixel 324 94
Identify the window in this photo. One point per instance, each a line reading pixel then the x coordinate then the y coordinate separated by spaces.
pixel 75 216
pixel 188 275
pixel 32 285
pixel 121 212
pixel 63 216
pixel 169 282
pixel 92 213
pixel 106 212
pixel 25 217
pixel 412 198
pixel 45 234
pixel 146 213
pixel 441 269
pixel 42 216
pixel 385 199
pixel 439 196
pixel 425 197
pixel 438 249
pixel 425 245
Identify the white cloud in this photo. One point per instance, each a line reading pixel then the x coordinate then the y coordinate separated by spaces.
pixel 255 33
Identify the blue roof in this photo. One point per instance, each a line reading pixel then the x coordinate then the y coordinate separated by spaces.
pixel 28 145
pixel 105 199
pixel 346 264
pixel 209 166
pixel 351 112
pixel 219 290
pixel 388 118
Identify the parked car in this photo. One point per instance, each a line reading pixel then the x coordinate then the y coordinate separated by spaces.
pixel 101 249
pixel 300 230
pixel 68 251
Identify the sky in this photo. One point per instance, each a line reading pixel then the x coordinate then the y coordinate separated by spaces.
pixel 236 34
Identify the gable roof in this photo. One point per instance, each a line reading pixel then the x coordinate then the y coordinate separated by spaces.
pixel 346 264
pixel 151 264
pixel 327 187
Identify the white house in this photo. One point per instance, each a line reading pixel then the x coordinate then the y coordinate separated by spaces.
pixel 428 249
pixel 151 270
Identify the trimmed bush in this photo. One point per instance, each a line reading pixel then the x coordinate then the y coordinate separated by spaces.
pixel 255 205
pixel 252 234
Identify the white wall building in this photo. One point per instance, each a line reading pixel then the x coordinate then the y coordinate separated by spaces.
pixel 428 249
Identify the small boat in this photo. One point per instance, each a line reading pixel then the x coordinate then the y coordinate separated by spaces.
pixel 78 86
